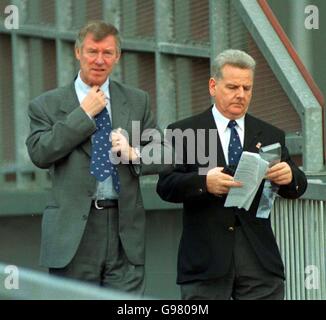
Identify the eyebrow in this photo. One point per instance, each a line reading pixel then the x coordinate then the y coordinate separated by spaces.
pixel 105 49
pixel 239 85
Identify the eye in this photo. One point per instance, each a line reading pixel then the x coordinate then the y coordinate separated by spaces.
pixel 108 54
pixel 92 52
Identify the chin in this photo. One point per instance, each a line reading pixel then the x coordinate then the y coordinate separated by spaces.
pixel 237 113
pixel 97 81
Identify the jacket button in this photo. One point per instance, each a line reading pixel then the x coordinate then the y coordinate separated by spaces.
pixel 85 217
pixel 231 229
pixel 200 190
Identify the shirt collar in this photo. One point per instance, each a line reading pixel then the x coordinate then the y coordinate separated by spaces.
pixel 222 122
pixel 83 87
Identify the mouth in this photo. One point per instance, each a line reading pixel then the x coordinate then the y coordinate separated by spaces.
pixel 98 70
pixel 237 105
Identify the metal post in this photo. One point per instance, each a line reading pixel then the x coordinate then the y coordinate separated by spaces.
pixel 183 65
pixel 218 24
pixel 166 94
pixel 301 38
pixel 293 83
pixel 112 14
pixel 64 53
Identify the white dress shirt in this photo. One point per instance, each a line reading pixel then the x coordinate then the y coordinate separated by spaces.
pixel 225 132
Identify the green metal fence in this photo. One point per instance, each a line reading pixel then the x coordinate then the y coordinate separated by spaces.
pixel 167 47
pixel 300 229
pixel 22 284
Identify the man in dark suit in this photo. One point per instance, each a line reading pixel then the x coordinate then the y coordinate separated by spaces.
pixel 227 252
pixel 93 226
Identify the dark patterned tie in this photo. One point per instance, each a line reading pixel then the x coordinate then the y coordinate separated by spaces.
pixel 235 148
pixel 101 166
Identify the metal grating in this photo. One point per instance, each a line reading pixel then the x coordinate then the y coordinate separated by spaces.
pixel 137 19
pixel 42 66
pixel 94 10
pixel 269 102
pixel 49 65
pixel 147 80
pixel 191 21
pixel 47 12
pixel 41 12
pixel 7 128
pixel 138 70
pixel 35 68
pixel 300 228
pixel 192 75
pixel 76 62
pixel 83 11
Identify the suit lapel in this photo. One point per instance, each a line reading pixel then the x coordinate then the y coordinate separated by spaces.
pixel 70 103
pixel 252 135
pixel 119 107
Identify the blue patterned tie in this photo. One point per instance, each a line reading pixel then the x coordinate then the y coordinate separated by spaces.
pixel 235 148
pixel 101 166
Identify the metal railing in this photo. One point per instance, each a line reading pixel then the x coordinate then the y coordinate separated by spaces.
pixel 22 284
pixel 300 228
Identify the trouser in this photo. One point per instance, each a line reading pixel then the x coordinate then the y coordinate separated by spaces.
pixel 100 258
pixel 246 279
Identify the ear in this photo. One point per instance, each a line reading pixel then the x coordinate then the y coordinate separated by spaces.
pixel 118 58
pixel 212 87
pixel 77 53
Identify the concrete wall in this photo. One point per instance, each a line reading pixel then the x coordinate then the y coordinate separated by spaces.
pixel 20 244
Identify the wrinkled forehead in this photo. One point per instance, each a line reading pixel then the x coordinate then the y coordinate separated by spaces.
pixel 108 41
pixel 236 74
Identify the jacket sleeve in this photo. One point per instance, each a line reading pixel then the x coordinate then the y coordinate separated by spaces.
pixel 298 185
pixel 178 186
pixel 178 183
pixel 51 140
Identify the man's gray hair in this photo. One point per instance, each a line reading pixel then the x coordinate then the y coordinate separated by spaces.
pixel 100 30
pixel 236 58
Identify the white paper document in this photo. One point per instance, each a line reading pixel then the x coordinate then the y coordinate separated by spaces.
pixel 250 172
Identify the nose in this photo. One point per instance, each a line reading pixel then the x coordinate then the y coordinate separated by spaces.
pixel 99 59
pixel 240 92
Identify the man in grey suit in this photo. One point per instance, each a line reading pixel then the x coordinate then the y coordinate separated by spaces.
pixel 93 226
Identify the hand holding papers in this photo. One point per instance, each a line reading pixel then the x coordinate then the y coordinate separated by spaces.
pixel 272 154
pixel 250 172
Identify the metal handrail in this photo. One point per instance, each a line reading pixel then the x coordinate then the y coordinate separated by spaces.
pixel 18 283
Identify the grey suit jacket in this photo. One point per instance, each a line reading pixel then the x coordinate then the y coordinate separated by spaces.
pixel 60 141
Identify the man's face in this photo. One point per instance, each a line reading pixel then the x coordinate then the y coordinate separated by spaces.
pixel 232 93
pixel 97 59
